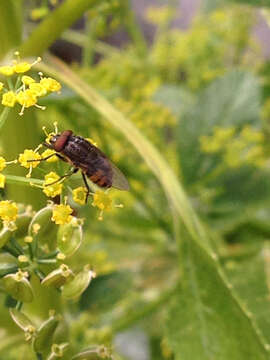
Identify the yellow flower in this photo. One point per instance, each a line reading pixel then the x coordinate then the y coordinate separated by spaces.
pixel 79 195
pixel 62 214
pixel 8 210
pixel 92 141
pixel 102 200
pixel 29 155
pixel 9 99
pixel 2 163
pixel 2 181
pixel 50 84
pixel 252 135
pixel 27 80
pixel 54 189
pixel 49 152
pixel 27 98
pixel 1 85
pixel 6 70
pixel 39 13
pixel 22 67
pixel 37 89
pixel 159 15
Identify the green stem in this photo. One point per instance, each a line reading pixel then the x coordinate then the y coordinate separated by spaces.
pixel 46 261
pixel 16 246
pixel 3 116
pixel 10 250
pixel 20 180
pixel 135 31
pixel 10 25
pixel 53 25
pixel 80 39
pixel 89 45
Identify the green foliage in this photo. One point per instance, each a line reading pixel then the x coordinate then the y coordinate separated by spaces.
pixel 186 249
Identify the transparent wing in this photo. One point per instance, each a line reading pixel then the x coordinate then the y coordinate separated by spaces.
pixel 119 181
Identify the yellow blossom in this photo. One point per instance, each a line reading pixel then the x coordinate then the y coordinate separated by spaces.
pixel 39 13
pixel 7 70
pixel 27 98
pixel 54 189
pixel 8 210
pixel 2 181
pixel 27 80
pixel 49 152
pixel 50 84
pixel 21 67
pixel 9 99
pixel 79 195
pixel 1 85
pixel 92 141
pixel 24 159
pixel 102 200
pixel 61 256
pixel 37 89
pixel 36 228
pixel 28 239
pixel 2 163
pixel 23 258
pixel 252 135
pixel 62 214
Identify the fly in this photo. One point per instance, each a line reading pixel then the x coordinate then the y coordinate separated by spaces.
pixel 84 156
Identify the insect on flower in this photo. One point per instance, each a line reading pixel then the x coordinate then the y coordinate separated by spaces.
pixel 84 156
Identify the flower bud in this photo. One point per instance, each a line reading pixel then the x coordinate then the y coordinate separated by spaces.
pixel 41 221
pixel 93 353
pixel 8 264
pixel 5 235
pixel 18 286
pixel 57 351
pixel 44 335
pixel 58 277
pixel 20 319
pixel 22 224
pixel 69 237
pixel 78 285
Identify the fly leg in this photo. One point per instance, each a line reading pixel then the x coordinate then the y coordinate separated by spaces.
pixel 63 177
pixel 48 157
pixel 87 187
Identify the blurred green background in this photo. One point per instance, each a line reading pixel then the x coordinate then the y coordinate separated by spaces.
pixel 184 268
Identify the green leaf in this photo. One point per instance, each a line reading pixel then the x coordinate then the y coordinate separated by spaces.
pixel 205 319
pixel 250 278
pixel 176 98
pixel 232 100
pixel 106 290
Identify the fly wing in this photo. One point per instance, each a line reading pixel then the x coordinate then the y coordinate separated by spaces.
pixel 119 181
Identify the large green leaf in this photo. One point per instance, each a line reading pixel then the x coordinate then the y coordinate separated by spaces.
pixel 232 100
pixel 205 319
pixel 250 278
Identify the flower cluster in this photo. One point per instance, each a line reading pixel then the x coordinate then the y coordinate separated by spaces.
pixel 179 56
pixel 237 149
pixel 27 90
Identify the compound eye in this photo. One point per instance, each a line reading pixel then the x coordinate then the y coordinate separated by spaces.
pixel 62 140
